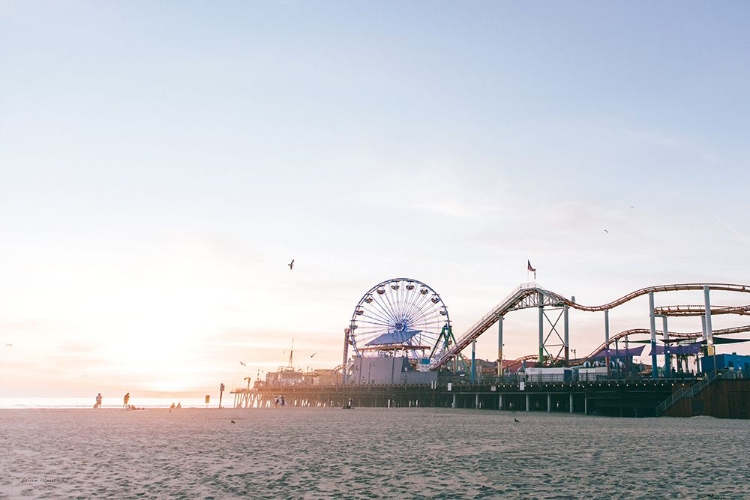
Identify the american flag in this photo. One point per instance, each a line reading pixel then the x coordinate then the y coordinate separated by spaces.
pixel 530 269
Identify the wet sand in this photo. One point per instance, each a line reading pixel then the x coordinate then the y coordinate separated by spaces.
pixel 367 453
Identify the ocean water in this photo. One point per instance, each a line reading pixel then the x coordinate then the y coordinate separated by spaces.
pixel 411 453
pixel 107 402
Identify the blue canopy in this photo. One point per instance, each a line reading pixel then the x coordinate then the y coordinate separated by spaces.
pixel 618 353
pixel 693 348
pixel 393 338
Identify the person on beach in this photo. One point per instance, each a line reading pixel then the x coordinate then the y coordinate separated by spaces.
pixel 98 400
pixel 125 400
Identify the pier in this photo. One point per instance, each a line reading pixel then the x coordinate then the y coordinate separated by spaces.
pixel 400 351
pixel 719 397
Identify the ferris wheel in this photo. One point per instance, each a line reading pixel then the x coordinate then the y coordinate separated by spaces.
pixel 401 317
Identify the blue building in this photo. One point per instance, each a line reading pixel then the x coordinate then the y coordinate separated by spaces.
pixel 734 362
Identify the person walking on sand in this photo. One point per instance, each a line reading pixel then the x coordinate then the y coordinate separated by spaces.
pixel 125 400
pixel 98 400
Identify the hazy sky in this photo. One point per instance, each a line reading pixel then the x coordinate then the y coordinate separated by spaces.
pixel 162 162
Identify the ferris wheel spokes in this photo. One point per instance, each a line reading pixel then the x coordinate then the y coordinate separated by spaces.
pixel 401 316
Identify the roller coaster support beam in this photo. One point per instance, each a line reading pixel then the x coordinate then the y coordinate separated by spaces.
pixel 652 321
pixel 606 335
pixel 711 349
pixel 541 329
pixel 566 334
pixel 473 360
pixel 667 345
pixel 698 366
pixel 500 345
pixel 606 326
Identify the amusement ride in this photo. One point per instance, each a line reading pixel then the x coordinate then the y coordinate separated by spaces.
pixel 404 317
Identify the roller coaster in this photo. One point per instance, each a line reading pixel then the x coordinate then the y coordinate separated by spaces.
pixel 531 295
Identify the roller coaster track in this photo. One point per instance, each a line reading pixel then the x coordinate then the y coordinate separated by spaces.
pixel 673 336
pixel 676 336
pixel 699 310
pixel 531 295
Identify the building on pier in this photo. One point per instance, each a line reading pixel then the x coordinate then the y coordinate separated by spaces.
pixel 737 365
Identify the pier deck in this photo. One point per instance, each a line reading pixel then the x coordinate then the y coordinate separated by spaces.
pixel 640 398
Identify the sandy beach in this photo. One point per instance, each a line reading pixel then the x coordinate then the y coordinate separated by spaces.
pixel 367 453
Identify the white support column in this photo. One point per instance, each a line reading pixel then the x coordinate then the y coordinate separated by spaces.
pixel 541 329
pixel 566 334
pixel 710 348
pixel 699 367
pixel 652 322
pixel 606 327
pixel 606 337
pixel 500 346
pixel 667 345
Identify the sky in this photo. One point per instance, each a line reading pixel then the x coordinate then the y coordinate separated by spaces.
pixel 162 162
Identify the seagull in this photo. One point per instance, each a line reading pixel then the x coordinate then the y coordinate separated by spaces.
pixel 313 354
pixel 233 421
pixel 291 264
pixel 606 231
pixel 243 364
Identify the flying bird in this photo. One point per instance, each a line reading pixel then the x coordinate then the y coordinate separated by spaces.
pixel 606 231
pixel 313 354
pixel 291 265
pixel 243 364
pixel 8 345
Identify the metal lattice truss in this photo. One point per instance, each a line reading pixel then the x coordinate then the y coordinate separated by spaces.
pixel 558 349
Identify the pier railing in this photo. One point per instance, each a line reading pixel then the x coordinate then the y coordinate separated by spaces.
pixel 685 392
